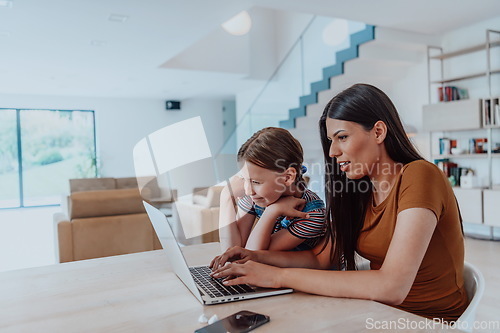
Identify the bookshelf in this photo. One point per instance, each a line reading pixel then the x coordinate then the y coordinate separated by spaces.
pixel 465 131
pixel 463 156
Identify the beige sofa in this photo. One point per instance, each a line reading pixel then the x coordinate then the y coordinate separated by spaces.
pixel 152 192
pixel 199 216
pixel 105 216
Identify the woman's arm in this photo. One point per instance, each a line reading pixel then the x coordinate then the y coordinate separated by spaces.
pixel 390 284
pixel 317 258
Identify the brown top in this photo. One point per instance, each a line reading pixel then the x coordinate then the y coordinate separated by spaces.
pixel 438 290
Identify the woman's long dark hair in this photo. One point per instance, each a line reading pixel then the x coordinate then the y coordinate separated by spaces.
pixel 347 199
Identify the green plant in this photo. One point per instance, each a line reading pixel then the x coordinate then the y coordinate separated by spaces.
pixel 87 167
pixel 50 157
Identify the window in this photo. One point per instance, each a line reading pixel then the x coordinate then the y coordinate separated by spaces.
pixel 40 150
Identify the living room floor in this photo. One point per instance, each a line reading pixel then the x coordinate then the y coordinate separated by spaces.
pixel 27 240
pixel 27 237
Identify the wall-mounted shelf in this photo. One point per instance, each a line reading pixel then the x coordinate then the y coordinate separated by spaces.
pixel 476 48
pixel 476 156
pixel 465 77
pixel 452 116
pixel 470 117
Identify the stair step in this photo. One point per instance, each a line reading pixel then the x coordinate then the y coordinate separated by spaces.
pixel 309 139
pixel 339 83
pixel 345 81
pixel 306 135
pixel 315 110
pixel 314 154
pixel 308 122
pixel 380 62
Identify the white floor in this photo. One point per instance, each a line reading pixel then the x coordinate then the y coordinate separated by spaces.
pixel 27 240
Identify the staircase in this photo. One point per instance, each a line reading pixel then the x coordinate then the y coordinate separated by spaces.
pixel 380 57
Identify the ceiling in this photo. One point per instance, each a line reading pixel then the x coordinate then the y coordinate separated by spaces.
pixel 71 48
pixel 424 16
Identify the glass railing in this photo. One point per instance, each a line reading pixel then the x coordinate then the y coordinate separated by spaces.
pixel 314 50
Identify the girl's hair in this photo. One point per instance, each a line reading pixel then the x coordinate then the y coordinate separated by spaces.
pixel 275 149
pixel 347 199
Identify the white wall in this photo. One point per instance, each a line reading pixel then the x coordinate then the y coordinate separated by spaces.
pixel 409 95
pixel 121 123
pixel 262 44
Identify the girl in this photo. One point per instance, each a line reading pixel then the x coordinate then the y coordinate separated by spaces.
pixel 387 204
pixel 271 173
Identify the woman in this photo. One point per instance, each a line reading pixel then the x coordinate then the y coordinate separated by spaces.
pixel 385 203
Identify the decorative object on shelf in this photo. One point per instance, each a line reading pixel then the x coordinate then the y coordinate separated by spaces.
pixel 480 145
pixel 448 146
pixel 458 151
pixel 452 181
pixel 468 180
pixel 451 170
pixel 496 150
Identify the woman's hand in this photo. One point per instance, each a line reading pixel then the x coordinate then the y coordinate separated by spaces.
pixel 290 207
pixel 250 272
pixel 235 254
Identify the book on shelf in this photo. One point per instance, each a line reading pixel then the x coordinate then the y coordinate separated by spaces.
pixel 478 145
pixel 496 115
pixel 450 169
pixel 487 112
pixel 491 112
pixel 452 93
pixel 446 146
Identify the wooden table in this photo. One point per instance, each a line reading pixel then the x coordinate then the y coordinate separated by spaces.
pixel 139 293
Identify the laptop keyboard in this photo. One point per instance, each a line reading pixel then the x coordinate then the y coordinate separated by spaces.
pixel 214 287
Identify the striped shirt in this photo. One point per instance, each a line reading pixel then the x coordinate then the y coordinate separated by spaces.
pixel 311 229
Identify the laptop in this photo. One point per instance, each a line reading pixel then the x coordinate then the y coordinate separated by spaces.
pixel 197 279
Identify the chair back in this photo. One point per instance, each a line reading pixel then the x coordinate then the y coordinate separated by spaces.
pixel 474 286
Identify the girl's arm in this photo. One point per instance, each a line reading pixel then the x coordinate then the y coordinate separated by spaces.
pixel 262 237
pixel 390 284
pixel 234 224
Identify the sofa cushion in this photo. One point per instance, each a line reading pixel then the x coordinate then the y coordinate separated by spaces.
pixel 213 196
pixel 108 236
pixel 200 200
pixel 126 182
pixel 207 197
pixel 105 203
pixel 151 189
pixel 91 184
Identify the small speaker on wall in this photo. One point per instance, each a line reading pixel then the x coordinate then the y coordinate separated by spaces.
pixel 173 105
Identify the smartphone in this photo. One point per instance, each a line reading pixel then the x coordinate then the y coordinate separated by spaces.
pixel 243 321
